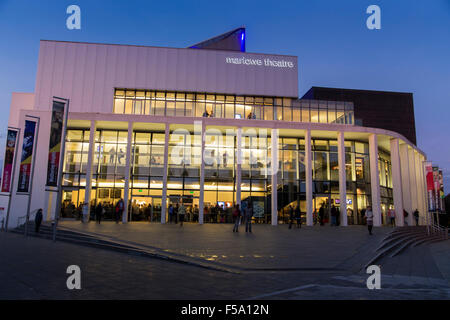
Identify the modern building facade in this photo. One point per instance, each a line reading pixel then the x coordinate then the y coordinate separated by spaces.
pixel 206 126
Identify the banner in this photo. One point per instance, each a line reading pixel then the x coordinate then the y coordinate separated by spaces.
pixel 54 153
pixel 9 160
pixel 436 189
pixel 27 156
pixel 430 185
pixel 441 191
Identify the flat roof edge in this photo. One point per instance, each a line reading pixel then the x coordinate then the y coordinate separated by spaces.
pixel 174 48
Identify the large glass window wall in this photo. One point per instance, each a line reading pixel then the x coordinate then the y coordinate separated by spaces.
pixel 184 164
pixel 184 104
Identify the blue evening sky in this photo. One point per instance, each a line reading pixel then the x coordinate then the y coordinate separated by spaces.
pixel 410 53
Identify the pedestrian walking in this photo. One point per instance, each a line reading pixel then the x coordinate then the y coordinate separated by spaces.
pixel 236 218
pixel 38 220
pixel 416 217
pixel 181 213
pixel 369 219
pixel 99 212
pixel 248 218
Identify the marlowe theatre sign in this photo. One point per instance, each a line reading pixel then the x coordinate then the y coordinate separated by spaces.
pixel 260 62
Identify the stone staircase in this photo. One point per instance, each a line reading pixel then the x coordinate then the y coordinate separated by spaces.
pixel 403 237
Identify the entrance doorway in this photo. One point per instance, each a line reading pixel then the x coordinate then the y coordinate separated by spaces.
pixel 145 208
pixel 318 202
pixel 191 204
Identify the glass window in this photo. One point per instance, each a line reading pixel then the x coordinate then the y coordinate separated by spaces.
pixel 129 106
pixel 305 115
pixel 119 105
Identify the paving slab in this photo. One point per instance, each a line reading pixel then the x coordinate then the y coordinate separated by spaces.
pixel 266 248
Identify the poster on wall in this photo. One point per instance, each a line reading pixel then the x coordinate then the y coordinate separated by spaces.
pixel 27 156
pixel 11 141
pixel 54 152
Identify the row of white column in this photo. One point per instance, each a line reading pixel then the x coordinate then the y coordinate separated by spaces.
pixel 407 176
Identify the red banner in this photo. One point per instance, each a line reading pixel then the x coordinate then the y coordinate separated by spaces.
pixel 11 141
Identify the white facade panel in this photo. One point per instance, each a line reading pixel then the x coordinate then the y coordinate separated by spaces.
pixel 88 73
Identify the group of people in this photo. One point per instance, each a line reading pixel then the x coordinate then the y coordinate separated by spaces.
pixel 181 213
pixel 243 216
pixel 208 114
pixel 112 154
pixel 295 215
pixel 391 216
pixel 118 211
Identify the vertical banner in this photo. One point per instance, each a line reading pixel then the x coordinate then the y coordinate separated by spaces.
pixel 436 189
pixel 441 191
pixel 10 152
pixel 54 153
pixel 27 156
pixel 430 185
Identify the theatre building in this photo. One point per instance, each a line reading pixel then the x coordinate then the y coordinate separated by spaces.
pixel 209 125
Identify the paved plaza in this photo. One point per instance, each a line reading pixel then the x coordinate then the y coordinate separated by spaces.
pixel 267 247
pixel 272 263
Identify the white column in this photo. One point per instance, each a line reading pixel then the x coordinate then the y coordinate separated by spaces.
pixel 375 180
pixel 166 166
pixel 90 162
pixel 406 184
pixel 308 183
pixel 342 178
pixel 421 204
pixel 413 186
pixel 201 200
pixel 274 176
pixel 238 165
pixel 126 187
pixel 397 182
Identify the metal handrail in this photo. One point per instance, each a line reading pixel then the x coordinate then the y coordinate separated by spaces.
pixel 433 227
pixel 25 218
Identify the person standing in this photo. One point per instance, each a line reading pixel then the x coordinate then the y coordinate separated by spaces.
pixel 248 218
pixel 99 212
pixel 236 218
pixel 416 217
pixel 391 215
pixel 405 217
pixel 182 213
pixel 225 159
pixel 369 219
pixel 119 210
pixel 298 216
pixel 291 216
pixel 175 213
pixel 170 213
pixel 333 215
pixel 321 214
pixel 38 220
pixel 112 153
